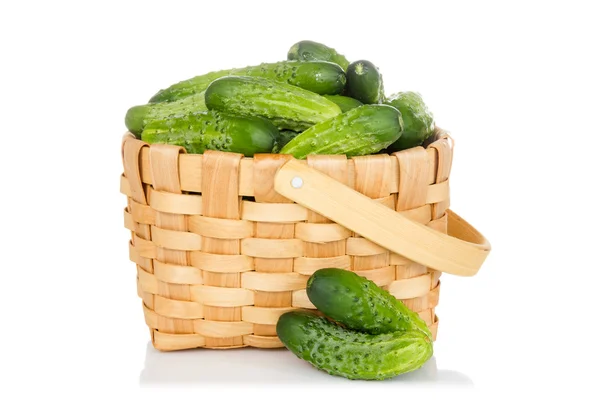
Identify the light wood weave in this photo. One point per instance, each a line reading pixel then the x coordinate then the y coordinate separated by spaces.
pixel 220 254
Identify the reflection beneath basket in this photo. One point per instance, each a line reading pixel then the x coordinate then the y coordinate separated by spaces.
pixel 260 366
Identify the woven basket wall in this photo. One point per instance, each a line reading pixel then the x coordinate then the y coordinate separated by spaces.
pixel 220 255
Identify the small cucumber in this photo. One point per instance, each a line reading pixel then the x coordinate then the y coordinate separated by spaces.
pixel 138 116
pixel 287 106
pixel 344 102
pixel 317 76
pixel 351 354
pixel 418 120
pixel 363 130
pixel 365 83
pixel 283 138
pixel 213 130
pixel 307 50
pixel 360 304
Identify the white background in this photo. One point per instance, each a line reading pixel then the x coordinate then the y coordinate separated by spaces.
pixel 516 83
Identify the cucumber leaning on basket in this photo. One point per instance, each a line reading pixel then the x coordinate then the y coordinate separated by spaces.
pixel 315 102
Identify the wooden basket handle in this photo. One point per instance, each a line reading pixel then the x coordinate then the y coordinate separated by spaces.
pixel 461 252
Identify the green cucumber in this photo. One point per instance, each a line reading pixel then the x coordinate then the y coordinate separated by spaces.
pixel 365 83
pixel 418 121
pixel 138 116
pixel 318 76
pixel 344 102
pixel 360 304
pixel 287 106
pixel 351 354
pixel 283 138
pixel 363 130
pixel 213 130
pixel 307 50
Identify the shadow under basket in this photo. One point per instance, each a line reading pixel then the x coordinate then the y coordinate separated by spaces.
pixel 224 244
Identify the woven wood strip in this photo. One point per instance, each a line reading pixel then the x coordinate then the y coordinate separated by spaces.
pixel 363 247
pixel 411 287
pixel 129 223
pixel 308 265
pixel 141 213
pixel 176 240
pixel 131 150
pixel 275 212
pixel 222 263
pixel 428 316
pixel 178 274
pixel 216 296
pixel 439 192
pixel 147 281
pixel 444 152
pixel 144 263
pixel 263 315
pixel 164 165
pixel 381 276
pixel 220 228
pixel 221 329
pixel 166 324
pixel 273 282
pixel 321 233
pixel 266 342
pixel 220 172
pixel 175 203
pixel 170 342
pixel 300 300
pixel 177 308
pixel 430 300
pixel 264 168
pixel 421 214
pixel 414 167
pixel 272 248
pixel 145 248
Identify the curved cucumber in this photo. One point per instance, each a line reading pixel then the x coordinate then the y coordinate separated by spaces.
pixel 212 130
pixel 360 131
pixel 307 50
pixel 344 102
pixel 365 83
pixel 418 120
pixel 287 106
pixel 360 304
pixel 353 355
pixel 317 76
pixel 138 116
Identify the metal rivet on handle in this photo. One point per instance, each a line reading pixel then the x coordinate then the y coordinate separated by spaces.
pixel 297 182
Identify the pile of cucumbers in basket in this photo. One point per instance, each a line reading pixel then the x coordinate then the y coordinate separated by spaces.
pixel 315 102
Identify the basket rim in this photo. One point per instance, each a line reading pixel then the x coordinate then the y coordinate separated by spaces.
pixel 439 134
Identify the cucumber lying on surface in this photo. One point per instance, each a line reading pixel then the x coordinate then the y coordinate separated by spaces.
pixel 286 106
pixel 360 304
pixel 418 120
pixel 213 130
pixel 138 116
pixel 346 103
pixel 350 354
pixel 365 82
pixel 363 130
pixel 317 76
pixel 307 50
pixel 283 138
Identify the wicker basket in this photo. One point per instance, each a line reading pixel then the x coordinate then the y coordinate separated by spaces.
pixel 225 244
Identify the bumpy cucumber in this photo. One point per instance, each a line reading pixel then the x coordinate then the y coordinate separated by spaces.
pixel 344 102
pixel 318 76
pixel 287 106
pixel 283 138
pixel 418 120
pixel 213 130
pixel 360 304
pixel 351 354
pixel 138 116
pixel 365 83
pixel 307 50
pixel 363 130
